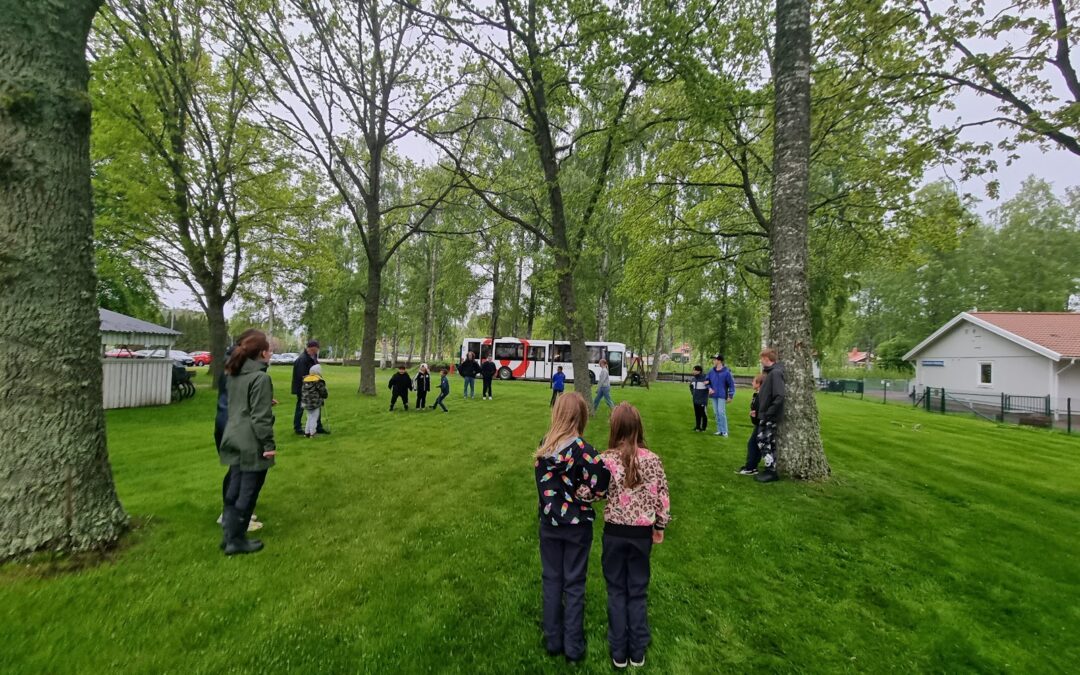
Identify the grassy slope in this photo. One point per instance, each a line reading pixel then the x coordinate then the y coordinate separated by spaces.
pixel 407 543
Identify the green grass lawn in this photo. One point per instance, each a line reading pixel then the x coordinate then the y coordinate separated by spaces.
pixel 407 543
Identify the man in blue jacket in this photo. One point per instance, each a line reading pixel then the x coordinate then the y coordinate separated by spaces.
pixel 721 391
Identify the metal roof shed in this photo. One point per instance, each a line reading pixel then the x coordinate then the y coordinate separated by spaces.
pixel 132 383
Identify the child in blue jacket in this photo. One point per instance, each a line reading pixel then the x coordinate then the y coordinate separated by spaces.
pixel 444 391
pixel 558 384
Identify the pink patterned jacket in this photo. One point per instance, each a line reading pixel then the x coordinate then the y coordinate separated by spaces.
pixel 645 505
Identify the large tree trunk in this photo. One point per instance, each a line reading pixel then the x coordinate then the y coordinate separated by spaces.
pixel 602 305
pixel 371 328
pixel 426 350
pixel 800 451
pixel 517 296
pixel 219 336
pixel 57 487
pixel 495 299
pixel 660 323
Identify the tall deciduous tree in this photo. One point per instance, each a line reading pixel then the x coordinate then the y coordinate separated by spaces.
pixel 56 486
pixel 800 452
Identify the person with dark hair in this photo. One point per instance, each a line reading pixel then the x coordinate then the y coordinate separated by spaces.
pixel 558 384
pixel 770 413
pixel 699 392
pixel 444 391
pixel 400 385
pixel 721 392
pixel 301 368
pixel 247 445
pixel 469 369
pixel 753 454
pixel 423 386
pixel 221 419
pixel 487 372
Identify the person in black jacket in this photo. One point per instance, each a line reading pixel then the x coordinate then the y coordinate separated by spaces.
pixel 770 412
pixel 699 392
pixel 400 384
pixel 301 368
pixel 753 455
pixel 423 386
pixel 469 369
pixel 487 371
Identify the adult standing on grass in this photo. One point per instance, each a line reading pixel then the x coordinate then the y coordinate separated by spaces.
pixel 301 368
pixel 469 369
pixel 770 412
pixel 487 372
pixel 221 419
pixel 247 446
pixel 721 392
pixel 603 388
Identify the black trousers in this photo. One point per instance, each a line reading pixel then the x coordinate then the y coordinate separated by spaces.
pixel 421 400
pixel 626 571
pixel 753 453
pixel 487 387
pixel 554 395
pixel 404 396
pixel 564 559
pixel 241 493
pixel 701 418
pixel 298 418
pixel 439 402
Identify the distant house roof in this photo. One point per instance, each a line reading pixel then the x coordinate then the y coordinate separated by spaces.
pixel 1055 335
pixel 855 356
pixel 119 328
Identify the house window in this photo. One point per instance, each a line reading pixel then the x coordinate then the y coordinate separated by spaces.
pixel 986 374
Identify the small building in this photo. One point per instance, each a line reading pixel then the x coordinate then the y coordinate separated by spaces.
pixel 859 359
pixel 131 382
pixel 980 357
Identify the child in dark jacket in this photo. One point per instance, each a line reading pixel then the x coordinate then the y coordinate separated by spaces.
pixel 699 390
pixel 313 396
pixel 487 372
pixel 400 384
pixel 636 513
pixel 444 391
pixel 565 463
pixel 423 386
pixel 753 454
pixel 558 383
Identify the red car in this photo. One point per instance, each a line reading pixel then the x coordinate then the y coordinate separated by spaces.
pixel 121 353
pixel 201 358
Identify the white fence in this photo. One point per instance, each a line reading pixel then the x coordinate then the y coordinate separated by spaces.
pixel 132 383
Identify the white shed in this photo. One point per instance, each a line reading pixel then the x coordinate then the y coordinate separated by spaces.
pixel 980 357
pixel 130 382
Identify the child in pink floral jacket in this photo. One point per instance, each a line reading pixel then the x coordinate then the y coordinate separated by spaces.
pixel 636 513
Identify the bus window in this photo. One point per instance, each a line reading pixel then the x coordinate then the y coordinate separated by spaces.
pixel 560 353
pixel 615 363
pixel 537 354
pixel 509 351
pixel 595 354
pixel 485 351
pixel 474 347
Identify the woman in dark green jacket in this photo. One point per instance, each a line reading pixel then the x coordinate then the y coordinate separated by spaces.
pixel 247 446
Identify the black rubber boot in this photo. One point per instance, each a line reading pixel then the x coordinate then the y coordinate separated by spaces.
pixel 766 476
pixel 235 528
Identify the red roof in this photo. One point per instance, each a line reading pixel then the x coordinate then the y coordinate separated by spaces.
pixel 855 356
pixel 1056 331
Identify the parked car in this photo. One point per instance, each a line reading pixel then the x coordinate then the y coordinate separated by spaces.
pixel 201 358
pixel 121 353
pixel 286 359
pixel 178 357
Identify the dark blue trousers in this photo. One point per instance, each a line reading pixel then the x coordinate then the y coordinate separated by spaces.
pixel 564 557
pixel 753 452
pixel 626 571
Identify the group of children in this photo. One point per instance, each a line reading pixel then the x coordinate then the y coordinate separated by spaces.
pixel 401 384
pixel 570 476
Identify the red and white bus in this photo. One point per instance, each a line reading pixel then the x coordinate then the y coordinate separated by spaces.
pixel 521 359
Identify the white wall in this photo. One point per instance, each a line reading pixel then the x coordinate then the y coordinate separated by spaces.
pixel 1016 370
pixel 1068 386
pixel 132 383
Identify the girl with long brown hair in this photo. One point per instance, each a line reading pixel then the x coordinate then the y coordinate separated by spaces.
pixel 636 513
pixel 565 464
pixel 247 446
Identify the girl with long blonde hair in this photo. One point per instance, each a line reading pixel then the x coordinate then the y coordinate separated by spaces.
pixel 565 464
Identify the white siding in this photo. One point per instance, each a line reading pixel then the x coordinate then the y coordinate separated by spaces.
pixel 1068 386
pixel 132 383
pixel 1016 370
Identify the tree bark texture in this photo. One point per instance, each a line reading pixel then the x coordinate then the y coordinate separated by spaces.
pixel 800 451
pixel 661 321
pixel 426 348
pixel 56 485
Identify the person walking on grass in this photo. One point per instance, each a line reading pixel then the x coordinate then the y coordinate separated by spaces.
pixel 603 388
pixel 444 391
pixel 220 420
pixel 635 515
pixel 314 394
pixel 565 463
pixel 469 369
pixel 558 384
pixel 301 368
pixel 721 392
pixel 400 385
pixel 699 392
pixel 487 373
pixel 770 413
pixel 247 445
pixel 423 386
pixel 753 455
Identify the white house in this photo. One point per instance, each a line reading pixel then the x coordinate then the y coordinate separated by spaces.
pixel 978 356
pixel 128 382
